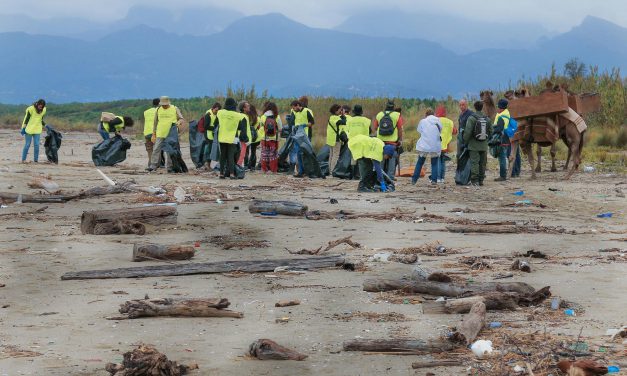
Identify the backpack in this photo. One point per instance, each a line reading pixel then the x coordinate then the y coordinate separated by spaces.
pixel 270 127
pixel 386 125
pixel 511 128
pixel 480 132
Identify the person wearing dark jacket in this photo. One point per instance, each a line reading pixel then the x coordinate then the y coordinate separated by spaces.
pixel 462 172
pixel 477 132
pixel 231 130
pixel 501 122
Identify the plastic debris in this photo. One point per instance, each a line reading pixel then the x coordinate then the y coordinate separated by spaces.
pixel 495 324
pixel 381 257
pixel 481 348
pixel 218 201
pixel 555 303
pixel 519 369
pixel 613 369
pixel 588 169
pixel 605 215
pixel 569 312
pixel 269 214
pixel 519 193
pixel 523 202
pixel 179 194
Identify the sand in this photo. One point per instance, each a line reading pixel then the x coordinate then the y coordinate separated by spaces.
pixel 63 322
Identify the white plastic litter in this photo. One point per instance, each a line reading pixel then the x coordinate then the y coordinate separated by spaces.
pixel 518 369
pixel 179 194
pixel 481 348
pixel 440 299
pixel 381 257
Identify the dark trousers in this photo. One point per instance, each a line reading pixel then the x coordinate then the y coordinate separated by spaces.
pixel 478 161
pixel 228 155
pixel 251 156
pixel 505 152
pixel 366 173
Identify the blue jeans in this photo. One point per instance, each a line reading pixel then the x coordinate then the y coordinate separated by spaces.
pixel 29 138
pixel 104 134
pixel 296 157
pixel 506 151
pixel 435 168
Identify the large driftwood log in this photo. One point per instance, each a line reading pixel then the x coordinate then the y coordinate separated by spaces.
pixel 493 301
pixel 145 252
pixel 99 221
pixel 265 349
pixel 134 309
pixel 250 266
pixel 471 325
pixel 87 193
pixel 445 289
pixel 483 229
pixel 399 345
pixel 37 199
pixel 279 207
pixel 437 363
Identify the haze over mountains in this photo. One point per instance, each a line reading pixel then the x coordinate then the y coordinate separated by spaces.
pixel 285 57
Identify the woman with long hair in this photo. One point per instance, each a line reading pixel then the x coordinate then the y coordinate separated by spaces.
pixel 250 160
pixel 270 126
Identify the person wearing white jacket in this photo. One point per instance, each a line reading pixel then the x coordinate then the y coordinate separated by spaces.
pixel 428 145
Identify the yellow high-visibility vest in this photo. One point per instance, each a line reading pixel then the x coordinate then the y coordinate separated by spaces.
pixel 36 120
pixel 165 119
pixel 394 136
pixel 228 122
pixel 149 120
pixel 366 147
pixel 358 125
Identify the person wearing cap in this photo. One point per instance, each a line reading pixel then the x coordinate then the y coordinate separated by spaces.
pixel 115 125
pixel 231 130
pixel 501 123
pixel 428 145
pixel 448 131
pixel 32 126
pixel 369 152
pixel 395 136
pixel 166 116
pixel 149 121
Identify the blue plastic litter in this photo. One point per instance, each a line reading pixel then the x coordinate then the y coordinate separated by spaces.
pixel 569 312
pixel 605 215
pixel 495 324
pixel 518 193
pixel 613 369
pixel 271 214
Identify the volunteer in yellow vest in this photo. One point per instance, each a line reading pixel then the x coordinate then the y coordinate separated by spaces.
pixel 149 121
pixel 32 126
pixel 358 124
pixel 448 131
pixel 231 129
pixel 301 117
pixel 210 118
pixel 115 125
pixel 369 152
pixel 336 133
pixel 256 133
pixel 166 117
pixel 388 127
pixel 501 122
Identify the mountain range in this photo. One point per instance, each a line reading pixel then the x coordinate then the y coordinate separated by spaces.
pixel 285 57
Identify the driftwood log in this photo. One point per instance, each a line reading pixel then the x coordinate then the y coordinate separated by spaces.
pixel 330 245
pixel 471 325
pixel 279 207
pixel 250 266
pixel 134 309
pixel 87 193
pixel 437 363
pixel 101 221
pixel 146 360
pixel 146 252
pixel 265 349
pixel 445 289
pixel 493 301
pixel 399 345
pixel 287 303
pixel 483 229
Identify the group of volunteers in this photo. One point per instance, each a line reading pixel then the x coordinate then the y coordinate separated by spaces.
pixel 234 132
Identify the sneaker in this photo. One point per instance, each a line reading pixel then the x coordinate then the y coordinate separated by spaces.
pixel 474 184
pixel 413 182
pixel 433 182
pixel 481 183
pixel 440 181
pixel 500 178
pixel 150 169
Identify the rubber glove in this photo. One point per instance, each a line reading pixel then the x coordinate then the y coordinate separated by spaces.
pixel 153 139
pixel 23 131
pixel 384 187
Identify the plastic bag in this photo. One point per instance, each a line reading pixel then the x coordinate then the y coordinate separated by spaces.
pixel 311 167
pixel 462 172
pixel 197 144
pixel 52 144
pixel 110 152
pixel 172 147
pixel 343 169
pixel 323 159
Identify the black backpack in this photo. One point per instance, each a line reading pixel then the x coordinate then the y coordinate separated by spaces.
pixel 480 132
pixel 386 125
pixel 270 127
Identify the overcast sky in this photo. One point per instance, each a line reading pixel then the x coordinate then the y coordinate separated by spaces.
pixel 555 15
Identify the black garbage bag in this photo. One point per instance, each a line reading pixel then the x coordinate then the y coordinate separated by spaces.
pixel 284 155
pixel 343 169
pixel 172 147
pixel 52 144
pixel 462 172
pixel 323 159
pixel 311 167
pixel 197 144
pixel 110 152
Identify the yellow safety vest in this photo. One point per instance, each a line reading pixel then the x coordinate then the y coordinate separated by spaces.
pixel 149 120
pixel 394 136
pixel 165 119
pixel 228 122
pixel 35 122
pixel 358 125
pixel 333 130
pixel 366 147
pixel 118 127
pixel 447 132
pixel 212 119
pixel 262 127
pixel 505 119
pixel 300 118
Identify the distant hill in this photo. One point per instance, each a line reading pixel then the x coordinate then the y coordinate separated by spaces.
pixel 458 34
pixel 282 56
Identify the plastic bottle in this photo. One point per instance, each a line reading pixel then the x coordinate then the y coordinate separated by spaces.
pixel 569 312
